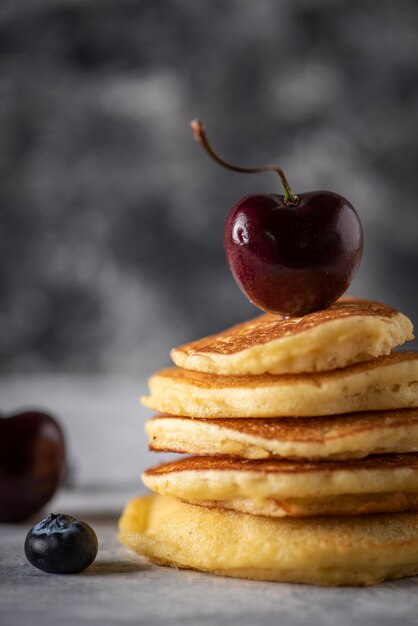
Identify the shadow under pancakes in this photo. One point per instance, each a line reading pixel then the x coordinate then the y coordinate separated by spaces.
pixel 108 568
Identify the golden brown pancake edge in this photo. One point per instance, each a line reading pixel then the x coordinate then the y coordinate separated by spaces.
pixel 379 462
pixel 269 327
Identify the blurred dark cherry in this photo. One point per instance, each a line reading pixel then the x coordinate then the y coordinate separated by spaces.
pixel 32 463
pixel 290 254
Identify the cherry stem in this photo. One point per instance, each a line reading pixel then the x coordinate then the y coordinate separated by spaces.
pixel 200 135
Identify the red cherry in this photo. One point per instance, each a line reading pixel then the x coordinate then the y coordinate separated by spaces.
pixel 32 463
pixel 290 254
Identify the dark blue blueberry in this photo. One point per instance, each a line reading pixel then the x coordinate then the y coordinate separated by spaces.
pixel 61 544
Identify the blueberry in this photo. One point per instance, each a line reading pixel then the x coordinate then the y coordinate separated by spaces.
pixel 61 544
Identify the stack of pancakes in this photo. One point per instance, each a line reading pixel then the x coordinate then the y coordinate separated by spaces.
pixel 304 436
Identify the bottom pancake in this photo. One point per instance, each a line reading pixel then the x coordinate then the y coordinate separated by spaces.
pixel 328 551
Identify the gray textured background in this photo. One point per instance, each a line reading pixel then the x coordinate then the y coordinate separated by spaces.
pixel 110 215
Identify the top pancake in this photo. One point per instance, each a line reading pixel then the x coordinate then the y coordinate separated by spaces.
pixel 349 331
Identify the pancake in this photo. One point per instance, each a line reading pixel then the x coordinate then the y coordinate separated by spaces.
pixel 389 382
pixel 349 331
pixel 354 435
pixel 279 488
pixel 329 551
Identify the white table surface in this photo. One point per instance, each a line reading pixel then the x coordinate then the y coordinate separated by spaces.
pixel 108 451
